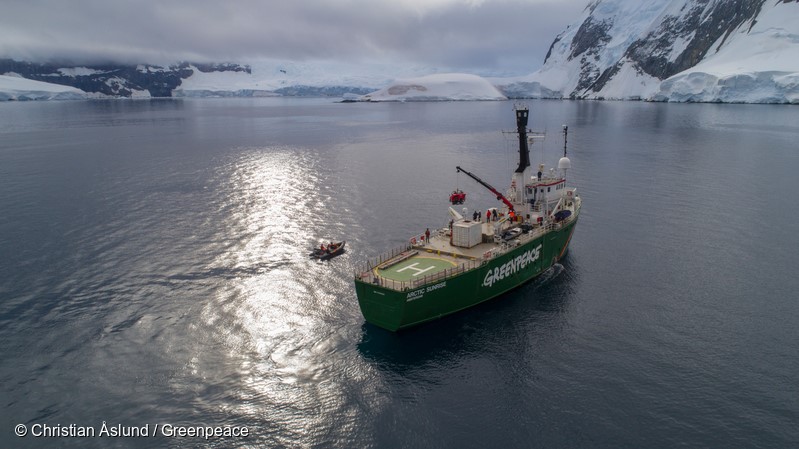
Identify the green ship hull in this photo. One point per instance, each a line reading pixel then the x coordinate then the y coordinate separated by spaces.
pixel 472 261
pixel 395 308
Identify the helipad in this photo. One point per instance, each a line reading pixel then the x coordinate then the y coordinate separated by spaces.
pixel 415 267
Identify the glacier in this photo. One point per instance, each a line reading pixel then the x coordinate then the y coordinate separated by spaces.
pixel 290 78
pixel 13 87
pixel 755 65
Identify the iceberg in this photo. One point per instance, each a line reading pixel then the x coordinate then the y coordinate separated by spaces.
pixel 438 87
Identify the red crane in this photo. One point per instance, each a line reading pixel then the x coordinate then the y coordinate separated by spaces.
pixel 488 186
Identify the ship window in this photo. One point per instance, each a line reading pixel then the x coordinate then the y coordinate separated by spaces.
pixel 548 189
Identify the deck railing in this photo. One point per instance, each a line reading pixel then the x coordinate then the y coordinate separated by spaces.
pixel 366 275
pixel 396 255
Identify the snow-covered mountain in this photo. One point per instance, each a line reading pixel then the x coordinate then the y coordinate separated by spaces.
pixel 17 88
pixel 109 80
pixel 673 50
pixel 266 78
pixel 661 50
pixel 261 78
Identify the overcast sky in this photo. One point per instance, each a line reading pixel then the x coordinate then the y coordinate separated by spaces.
pixel 463 35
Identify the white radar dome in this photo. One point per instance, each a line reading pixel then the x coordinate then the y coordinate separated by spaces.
pixel 564 163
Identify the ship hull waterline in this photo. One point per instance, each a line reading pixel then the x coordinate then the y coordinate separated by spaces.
pixel 396 310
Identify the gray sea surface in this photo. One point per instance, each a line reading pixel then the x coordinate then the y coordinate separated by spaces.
pixel 154 270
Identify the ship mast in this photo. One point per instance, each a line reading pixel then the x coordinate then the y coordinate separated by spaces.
pixel 564 163
pixel 517 197
pixel 522 173
pixel 522 115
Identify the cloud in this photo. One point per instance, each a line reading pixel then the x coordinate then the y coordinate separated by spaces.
pixel 491 35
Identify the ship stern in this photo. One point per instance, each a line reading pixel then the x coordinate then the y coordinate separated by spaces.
pixel 380 306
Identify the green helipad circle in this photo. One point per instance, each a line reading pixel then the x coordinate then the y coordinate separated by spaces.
pixel 415 268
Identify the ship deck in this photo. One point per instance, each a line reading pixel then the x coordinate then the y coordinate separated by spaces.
pixel 427 262
pixel 423 263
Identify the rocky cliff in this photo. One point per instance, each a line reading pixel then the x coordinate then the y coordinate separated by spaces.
pixel 630 49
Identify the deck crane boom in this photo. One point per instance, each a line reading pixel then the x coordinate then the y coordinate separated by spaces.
pixel 488 186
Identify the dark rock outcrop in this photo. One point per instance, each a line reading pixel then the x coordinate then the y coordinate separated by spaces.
pixel 114 79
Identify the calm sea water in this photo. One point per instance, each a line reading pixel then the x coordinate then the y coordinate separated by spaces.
pixel 154 270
